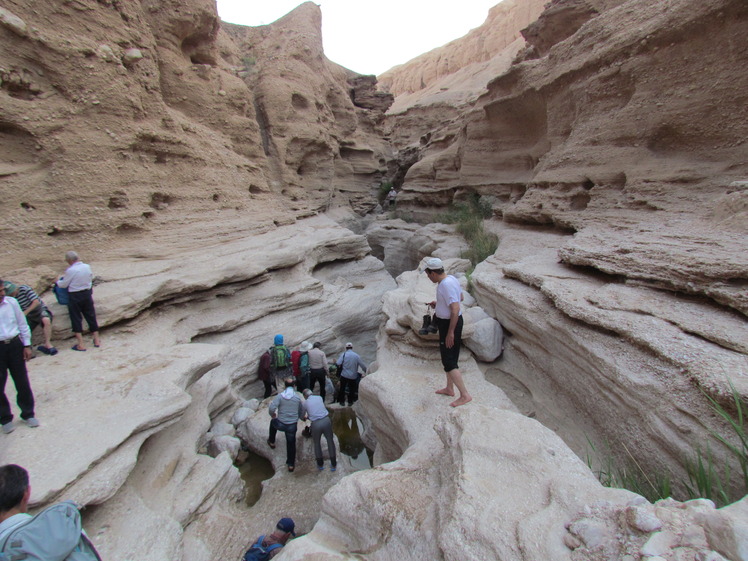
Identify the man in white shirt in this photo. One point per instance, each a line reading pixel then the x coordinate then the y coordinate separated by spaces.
pixel 449 321
pixel 78 279
pixel 15 350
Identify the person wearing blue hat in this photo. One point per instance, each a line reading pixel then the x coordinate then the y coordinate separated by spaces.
pixel 280 360
pixel 267 547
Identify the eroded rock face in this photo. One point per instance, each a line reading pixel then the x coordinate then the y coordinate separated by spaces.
pixel 123 119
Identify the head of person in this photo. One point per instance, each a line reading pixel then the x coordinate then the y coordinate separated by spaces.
pixel 10 288
pixel 305 347
pixel 14 489
pixel 286 526
pixel 278 339
pixel 317 345
pixel 349 345
pixel 289 382
pixel 434 267
pixel 307 393
pixel 71 257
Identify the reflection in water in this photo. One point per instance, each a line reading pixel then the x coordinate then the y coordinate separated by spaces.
pixel 254 471
pixel 347 428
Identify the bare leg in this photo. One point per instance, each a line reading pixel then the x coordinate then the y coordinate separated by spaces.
pixel 79 337
pixel 97 341
pixel 47 328
pixel 455 377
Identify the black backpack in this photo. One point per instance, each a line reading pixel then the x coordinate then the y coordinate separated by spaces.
pixel 258 552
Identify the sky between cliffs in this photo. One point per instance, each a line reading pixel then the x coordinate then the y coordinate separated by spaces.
pixel 371 37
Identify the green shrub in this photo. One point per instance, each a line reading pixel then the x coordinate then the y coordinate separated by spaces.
pixel 383 189
pixel 468 217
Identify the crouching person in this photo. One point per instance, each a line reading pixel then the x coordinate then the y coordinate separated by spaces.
pixel 267 547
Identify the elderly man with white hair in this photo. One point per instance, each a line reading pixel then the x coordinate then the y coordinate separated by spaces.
pixel 78 279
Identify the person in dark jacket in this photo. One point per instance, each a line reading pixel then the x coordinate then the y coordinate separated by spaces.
pixel 264 374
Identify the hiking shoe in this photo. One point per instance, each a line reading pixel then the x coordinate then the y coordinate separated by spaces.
pixel 321 468
pixel 271 444
pixel 425 326
pixel 333 468
pixel 32 422
pixel 8 428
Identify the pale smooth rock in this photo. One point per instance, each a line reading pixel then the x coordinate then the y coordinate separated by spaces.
pixel 252 404
pixel 222 429
pixel 727 530
pixel 219 444
pixel 106 53
pixel 642 519
pixel 131 56
pixel 13 22
pixel 486 340
pixel 240 415
pixel 658 543
pixel 594 534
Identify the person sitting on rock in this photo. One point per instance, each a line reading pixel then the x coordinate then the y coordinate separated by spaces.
pixel 348 365
pixel 267 547
pixel 286 410
pixel 316 412
pixel 36 313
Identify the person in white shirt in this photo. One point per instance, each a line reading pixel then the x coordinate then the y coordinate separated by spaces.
pixel 449 321
pixel 78 279
pixel 316 412
pixel 15 350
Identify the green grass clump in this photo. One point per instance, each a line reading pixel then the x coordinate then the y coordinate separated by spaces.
pixel 468 217
pixel 705 478
pixel 383 189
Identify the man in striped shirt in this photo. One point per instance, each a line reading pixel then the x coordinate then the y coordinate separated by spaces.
pixel 35 311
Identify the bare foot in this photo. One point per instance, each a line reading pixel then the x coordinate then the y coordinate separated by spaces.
pixel 446 391
pixel 461 401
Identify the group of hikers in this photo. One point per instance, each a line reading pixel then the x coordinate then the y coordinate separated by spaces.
pixel 21 311
pixel 307 366
pixel 302 369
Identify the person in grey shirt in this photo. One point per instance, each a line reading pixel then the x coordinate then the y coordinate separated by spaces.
pixel 316 412
pixel 349 364
pixel 286 410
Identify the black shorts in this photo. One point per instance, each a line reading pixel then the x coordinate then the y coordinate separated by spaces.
pixel 449 356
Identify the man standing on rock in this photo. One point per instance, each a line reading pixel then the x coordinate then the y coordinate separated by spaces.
pixel 316 412
pixel 15 350
pixel 78 279
pixel 449 321
pixel 318 368
pixel 286 410
pixel 348 365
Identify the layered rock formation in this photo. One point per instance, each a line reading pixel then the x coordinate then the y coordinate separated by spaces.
pixel 190 161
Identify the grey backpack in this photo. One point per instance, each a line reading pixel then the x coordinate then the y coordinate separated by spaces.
pixel 55 534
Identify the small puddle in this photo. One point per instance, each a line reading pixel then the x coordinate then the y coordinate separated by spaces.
pixel 348 428
pixel 254 471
